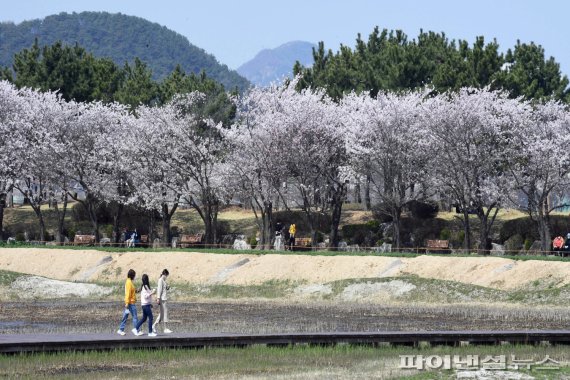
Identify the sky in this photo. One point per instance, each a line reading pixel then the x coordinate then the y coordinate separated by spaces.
pixel 234 31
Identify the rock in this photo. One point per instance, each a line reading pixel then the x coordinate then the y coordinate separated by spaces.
pixel 535 249
pixel 174 242
pixel 497 249
pixel 156 243
pixel 104 241
pixel 11 240
pixel 241 244
pixel 342 246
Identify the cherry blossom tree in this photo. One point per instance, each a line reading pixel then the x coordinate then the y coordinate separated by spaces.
pixel 40 113
pixel 540 167
pixel 184 161
pixel 91 153
pixel 10 111
pixel 388 146
pixel 470 130
pixel 256 170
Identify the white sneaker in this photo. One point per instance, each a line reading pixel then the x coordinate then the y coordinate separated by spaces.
pixel 152 334
pixel 136 333
pixel 120 332
pixel 167 331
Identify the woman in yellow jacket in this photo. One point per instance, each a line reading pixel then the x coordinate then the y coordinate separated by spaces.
pixel 130 304
pixel 292 232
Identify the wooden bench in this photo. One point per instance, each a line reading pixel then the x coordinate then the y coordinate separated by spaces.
pixel 144 240
pixel 438 246
pixel 302 244
pixel 188 240
pixel 84 240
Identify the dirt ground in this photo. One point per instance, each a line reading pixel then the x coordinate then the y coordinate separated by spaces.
pixel 80 316
pixel 247 269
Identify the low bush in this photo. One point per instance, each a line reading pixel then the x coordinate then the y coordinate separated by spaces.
pixel 423 210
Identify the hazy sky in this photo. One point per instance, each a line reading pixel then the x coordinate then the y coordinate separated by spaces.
pixel 234 31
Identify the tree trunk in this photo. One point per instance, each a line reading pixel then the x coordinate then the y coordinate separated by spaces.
pixel 367 199
pixel 92 210
pixel 267 234
pixel 41 222
pixel 2 206
pixel 467 230
pixel 151 224
pixel 338 200
pixel 61 220
pixel 544 229
pixel 396 223
pixel 116 223
pixel 166 233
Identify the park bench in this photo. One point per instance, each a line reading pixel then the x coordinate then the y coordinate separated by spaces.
pixel 438 246
pixel 188 240
pixel 84 240
pixel 302 244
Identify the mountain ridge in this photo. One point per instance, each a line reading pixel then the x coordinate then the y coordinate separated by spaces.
pixel 119 37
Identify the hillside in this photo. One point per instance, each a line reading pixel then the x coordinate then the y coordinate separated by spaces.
pixel 272 65
pixel 119 37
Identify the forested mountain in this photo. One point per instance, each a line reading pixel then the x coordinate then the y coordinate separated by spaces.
pixel 272 65
pixel 120 38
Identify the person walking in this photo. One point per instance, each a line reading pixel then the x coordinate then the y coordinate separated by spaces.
pixel 146 303
pixel 130 300
pixel 161 299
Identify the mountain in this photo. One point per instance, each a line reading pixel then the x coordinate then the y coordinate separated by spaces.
pixel 121 38
pixel 272 65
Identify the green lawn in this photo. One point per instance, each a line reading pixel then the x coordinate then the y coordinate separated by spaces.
pixel 260 362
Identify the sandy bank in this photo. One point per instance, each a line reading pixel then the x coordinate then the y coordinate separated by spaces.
pixel 243 269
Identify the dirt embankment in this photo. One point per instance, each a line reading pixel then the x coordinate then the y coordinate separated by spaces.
pixel 244 269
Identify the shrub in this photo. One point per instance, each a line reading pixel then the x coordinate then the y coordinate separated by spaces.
pixel 514 244
pixel 380 215
pixel 361 234
pixel 252 241
pixel 458 238
pixel 286 217
pixel 445 234
pixel 107 230
pixel 528 243
pixel 524 227
pixel 20 236
pixel 423 210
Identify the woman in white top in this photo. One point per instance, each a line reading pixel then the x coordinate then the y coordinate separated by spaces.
pixel 146 303
pixel 161 299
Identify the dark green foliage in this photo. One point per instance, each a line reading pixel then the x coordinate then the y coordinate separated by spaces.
pixel 137 88
pixel 362 234
pixel 530 75
pixel 300 220
pixel 379 213
pixel 388 61
pixel 423 210
pixel 528 230
pixel 131 217
pixel 524 227
pixel 77 75
pixel 421 230
pixel 120 38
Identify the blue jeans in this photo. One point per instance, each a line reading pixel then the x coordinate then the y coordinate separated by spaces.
pixel 131 309
pixel 147 313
